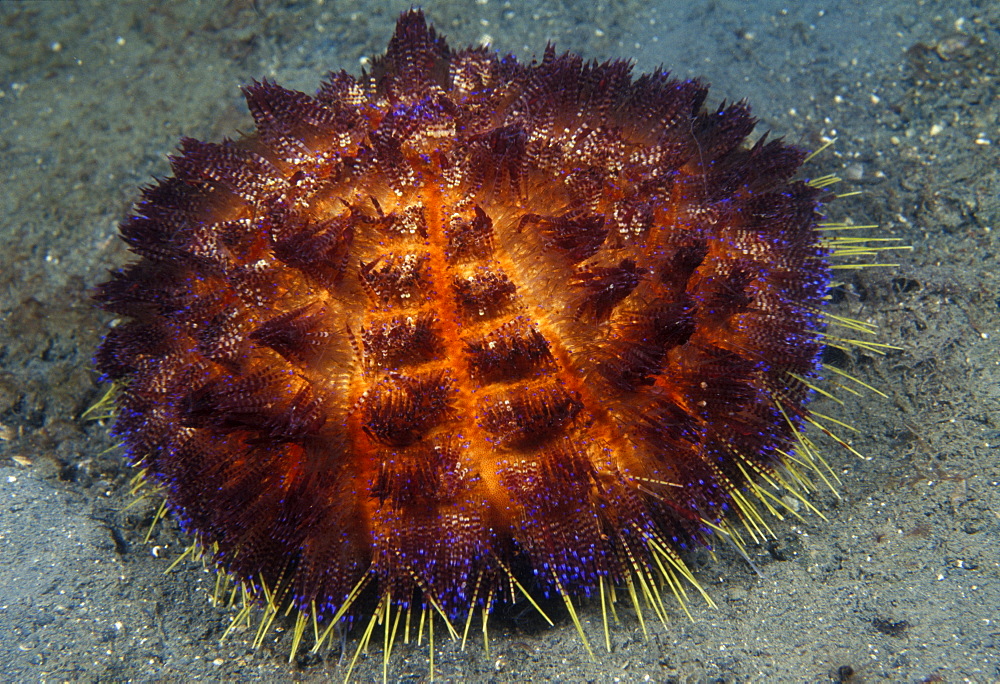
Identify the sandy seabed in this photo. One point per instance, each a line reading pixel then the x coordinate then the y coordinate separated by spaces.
pixel 901 583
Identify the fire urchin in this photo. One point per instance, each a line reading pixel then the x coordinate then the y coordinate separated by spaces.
pixel 464 329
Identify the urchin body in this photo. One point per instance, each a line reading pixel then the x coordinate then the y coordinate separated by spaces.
pixel 466 321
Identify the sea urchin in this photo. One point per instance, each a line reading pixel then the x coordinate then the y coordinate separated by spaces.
pixel 465 329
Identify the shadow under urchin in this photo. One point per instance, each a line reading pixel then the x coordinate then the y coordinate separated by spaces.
pixel 464 326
